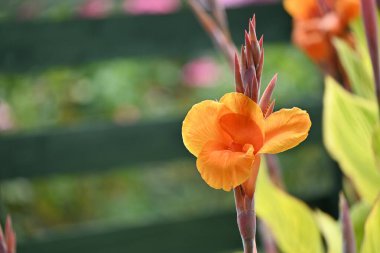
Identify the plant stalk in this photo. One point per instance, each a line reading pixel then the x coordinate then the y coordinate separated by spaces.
pixel 369 12
pixel 348 235
pixel 246 219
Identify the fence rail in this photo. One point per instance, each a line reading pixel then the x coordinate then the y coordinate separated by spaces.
pixel 216 233
pixel 89 148
pixel 40 44
pixel 99 147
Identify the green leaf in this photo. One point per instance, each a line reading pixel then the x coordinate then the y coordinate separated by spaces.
pixel 376 146
pixel 359 75
pixel 291 221
pixel 359 213
pixel 357 28
pixel 331 231
pixel 348 125
pixel 371 242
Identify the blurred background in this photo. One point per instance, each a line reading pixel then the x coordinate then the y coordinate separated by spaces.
pixel 92 96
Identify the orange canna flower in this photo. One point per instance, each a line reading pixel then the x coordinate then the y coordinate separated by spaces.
pixel 228 137
pixel 316 22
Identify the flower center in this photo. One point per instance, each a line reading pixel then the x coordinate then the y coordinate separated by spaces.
pixel 235 147
pixel 243 131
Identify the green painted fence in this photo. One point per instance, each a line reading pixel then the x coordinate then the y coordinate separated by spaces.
pixel 88 148
pixel 211 234
pixel 40 44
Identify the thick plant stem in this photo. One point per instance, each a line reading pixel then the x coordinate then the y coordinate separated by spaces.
pixel 349 243
pixel 247 227
pixel 246 219
pixel 371 30
pixel 250 246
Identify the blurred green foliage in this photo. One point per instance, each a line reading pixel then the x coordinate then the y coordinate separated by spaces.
pixel 136 196
pixel 56 10
pixel 130 89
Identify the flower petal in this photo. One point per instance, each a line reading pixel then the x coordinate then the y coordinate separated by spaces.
pixel 245 124
pixel 301 9
pixel 242 130
pixel 241 104
pixel 347 9
pixel 249 186
pixel 222 168
pixel 313 42
pixel 201 125
pixel 285 129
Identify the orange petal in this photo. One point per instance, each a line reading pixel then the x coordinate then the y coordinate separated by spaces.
pixel 222 168
pixel 201 126
pixel 242 130
pixel 285 129
pixel 241 104
pixel 347 9
pixel 314 43
pixel 250 185
pixel 301 9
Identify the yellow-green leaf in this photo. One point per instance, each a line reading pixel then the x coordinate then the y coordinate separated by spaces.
pixel 376 146
pixel 359 213
pixel 371 241
pixel 291 221
pixel 348 125
pixel 359 75
pixel 331 231
pixel 357 28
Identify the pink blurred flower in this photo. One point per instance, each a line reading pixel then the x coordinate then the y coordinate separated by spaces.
pixel 239 3
pixel 200 72
pixel 6 121
pixel 138 7
pixel 95 8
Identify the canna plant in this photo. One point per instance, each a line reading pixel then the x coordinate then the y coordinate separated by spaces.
pixel 358 111
pixel 229 136
pixel 351 133
pixel 350 115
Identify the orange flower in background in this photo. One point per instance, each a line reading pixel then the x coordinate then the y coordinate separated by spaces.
pixel 316 22
pixel 228 136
